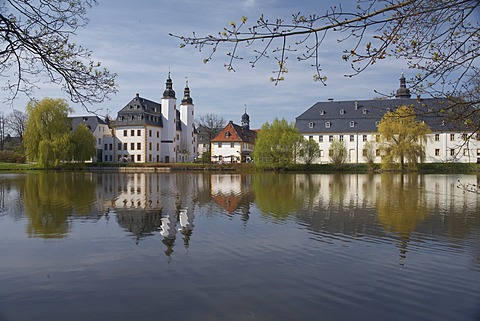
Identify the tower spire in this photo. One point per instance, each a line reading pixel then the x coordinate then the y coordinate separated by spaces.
pixel 186 94
pixel 169 92
pixel 403 91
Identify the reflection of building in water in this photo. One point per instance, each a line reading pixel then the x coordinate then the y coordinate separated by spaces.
pixel 390 205
pixel 233 192
pixel 146 203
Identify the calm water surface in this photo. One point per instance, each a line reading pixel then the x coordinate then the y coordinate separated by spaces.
pixel 194 246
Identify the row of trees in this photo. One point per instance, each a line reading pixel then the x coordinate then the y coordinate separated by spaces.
pixel 402 143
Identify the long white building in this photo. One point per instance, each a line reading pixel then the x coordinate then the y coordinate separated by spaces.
pixel 356 123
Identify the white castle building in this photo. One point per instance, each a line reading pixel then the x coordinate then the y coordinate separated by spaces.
pixel 146 131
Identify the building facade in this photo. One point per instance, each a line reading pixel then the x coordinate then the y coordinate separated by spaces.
pixel 102 134
pixel 146 131
pixel 234 143
pixel 356 123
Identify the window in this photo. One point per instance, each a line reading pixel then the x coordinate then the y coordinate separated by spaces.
pixel 99 141
pixel 105 147
pixel 352 138
pixel 320 138
pixel 341 138
pixel 150 147
pixel 321 152
pixel 310 124
pixel 119 146
pixel 364 138
pixel 377 138
pixel 132 158
pixel 437 137
pixel 327 124
pixel 464 136
pixel 364 111
pixel 342 111
pixel 132 132
pixel 132 146
pixel 158 133
pixel 150 133
pixel 478 136
pixel 111 158
pixel 219 145
pixel 232 145
pixel 364 153
pixel 139 146
pixel 330 138
pixel 465 152
pixel 322 112
pixel 106 158
pixel 227 134
pixel 352 123
pixel 125 133
pixel 452 152
pixel 139 158
pixel 149 157
pixel 377 123
pixel 478 151
pixel 330 152
pixel 452 137
pixel 178 137
pixel 158 147
pixel 437 152
pixel 124 146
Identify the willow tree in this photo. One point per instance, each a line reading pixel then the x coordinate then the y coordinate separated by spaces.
pixel 276 144
pixel 82 144
pixel 36 44
pixel 47 133
pixel 402 139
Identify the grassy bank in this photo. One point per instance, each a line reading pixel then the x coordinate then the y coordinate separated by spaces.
pixel 313 168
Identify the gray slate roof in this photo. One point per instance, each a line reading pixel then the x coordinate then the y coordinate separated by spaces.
pixel 90 121
pixel 366 113
pixel 140 111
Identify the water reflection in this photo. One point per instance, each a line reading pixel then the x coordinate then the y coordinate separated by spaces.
pixel 165 205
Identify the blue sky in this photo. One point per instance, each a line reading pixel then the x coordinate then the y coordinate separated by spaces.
pixel 131 38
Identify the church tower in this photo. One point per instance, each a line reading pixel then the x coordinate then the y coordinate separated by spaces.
pixel 169 112
pixel 246 120
pixel 403 91
pixel 187 115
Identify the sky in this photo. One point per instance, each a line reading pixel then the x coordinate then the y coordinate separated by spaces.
pixel 131 39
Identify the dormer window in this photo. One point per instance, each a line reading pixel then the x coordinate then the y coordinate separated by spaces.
pixel 342 111
pixel 352 123
pixel 377 123
pixel 364 111
pixel 311 124
pixel 322 112
pixel 387 110
pixel 85 118
pixel 227 134
pixel 327 124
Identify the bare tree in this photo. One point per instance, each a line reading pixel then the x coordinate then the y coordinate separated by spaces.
pixel 440 39
pixel 16 122
pixel 209 125
pixel 35 42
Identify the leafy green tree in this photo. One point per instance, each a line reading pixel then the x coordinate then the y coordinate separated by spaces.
pixel 402 139
pixel 36 44
pixel 46 137
pixel 369 154
pixel 82 144
pixel 308 151
pixel 338 154
pixel 276 144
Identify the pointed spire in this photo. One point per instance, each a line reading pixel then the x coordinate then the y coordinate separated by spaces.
pixel 245 119
pixel 169 92
pixel 187 100
pixel 403 91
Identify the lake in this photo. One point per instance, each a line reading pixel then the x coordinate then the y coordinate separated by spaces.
pixel 216 246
